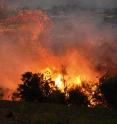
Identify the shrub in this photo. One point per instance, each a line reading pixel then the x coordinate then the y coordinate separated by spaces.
pixel 77 97
pixel 57 97
pixel 108 87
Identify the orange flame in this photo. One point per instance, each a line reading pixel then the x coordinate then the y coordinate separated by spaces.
pixel 59 82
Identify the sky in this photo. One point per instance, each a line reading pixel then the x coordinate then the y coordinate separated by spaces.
pixel 49 3
pixel 84 33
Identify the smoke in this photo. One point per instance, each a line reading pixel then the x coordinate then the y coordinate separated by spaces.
pixel 91 36
pixel 48 4
pixel 32 41
pixel 99 4
pixel 19 48
pixel 6 9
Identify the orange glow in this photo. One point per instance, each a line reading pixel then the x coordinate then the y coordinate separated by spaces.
pixel 59 82
pixel 28 31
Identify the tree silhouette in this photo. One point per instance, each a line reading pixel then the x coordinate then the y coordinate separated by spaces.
pixel 35 87
pixel 1 93
pixel 31 87
pixel 57 96
pixel 77 97
pixel 108 87
pixel 47 88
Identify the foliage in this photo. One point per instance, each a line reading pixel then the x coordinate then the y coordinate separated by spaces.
pixel 77 97
pixel 108 87
pixel 31 87
pixel 34 87
pixel 1 93
pixel 57 97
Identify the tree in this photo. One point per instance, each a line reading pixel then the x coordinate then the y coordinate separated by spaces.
pixel 1 93
pixel 77 97
pixel 57 96
pixel 48 88
pixel 108 87
pixel 31 87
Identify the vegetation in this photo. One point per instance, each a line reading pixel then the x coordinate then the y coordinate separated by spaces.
pixel 1 93
pixel 31 87
pixel 77 97
pixel 57 97
pixel 108 86
pixel 35 87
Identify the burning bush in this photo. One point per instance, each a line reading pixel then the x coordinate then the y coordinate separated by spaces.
pixel 108 86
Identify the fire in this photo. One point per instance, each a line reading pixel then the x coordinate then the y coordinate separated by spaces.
pixel 62 80
pixel 78 80
pixel 69 81
pixel 47 73
pixel 28 31
pixel 59 82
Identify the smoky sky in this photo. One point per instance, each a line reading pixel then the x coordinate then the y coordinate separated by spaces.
pixel 26 46
pixel 99 4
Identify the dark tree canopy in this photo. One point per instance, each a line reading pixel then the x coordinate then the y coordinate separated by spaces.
pixel 57 97
pixel 77 97
pixel 34 87
pixel 31 87
pixel 1 93
pixel 108 87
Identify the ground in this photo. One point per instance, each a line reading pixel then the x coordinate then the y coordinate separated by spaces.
pixel 46 113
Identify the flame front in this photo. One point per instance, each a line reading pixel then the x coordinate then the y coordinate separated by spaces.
pixel 62 81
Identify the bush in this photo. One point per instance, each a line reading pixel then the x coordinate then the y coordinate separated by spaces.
pixel 1 93
pixel 35 88
pixel 108 87
pixel 57 97
pixel 77 97
pixel 31 88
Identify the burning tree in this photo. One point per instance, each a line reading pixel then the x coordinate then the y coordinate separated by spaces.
pixel 48 87
pixel 37 87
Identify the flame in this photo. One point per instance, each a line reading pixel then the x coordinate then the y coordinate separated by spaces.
pixel 59 82
pixel 47 73
pixel 62 81
pixel 78 80
pixel 66 81
pixel 28 29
